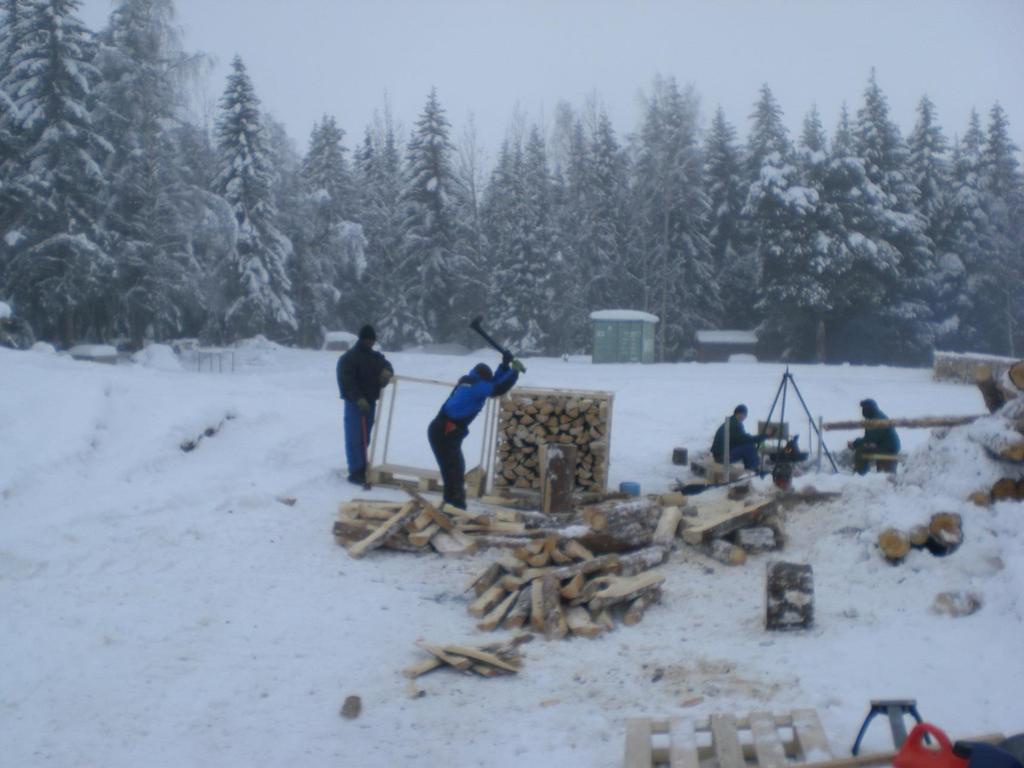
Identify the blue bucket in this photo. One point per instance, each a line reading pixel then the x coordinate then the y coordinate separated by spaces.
pixel 633 489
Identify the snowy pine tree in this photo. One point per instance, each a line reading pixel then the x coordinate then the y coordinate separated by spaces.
pixel 257 287
pixel 429 229
pixel 58 267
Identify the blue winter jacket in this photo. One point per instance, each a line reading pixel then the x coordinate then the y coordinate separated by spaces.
pixel 470 394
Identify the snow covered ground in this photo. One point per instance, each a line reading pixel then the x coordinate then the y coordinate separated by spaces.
pixel 162 608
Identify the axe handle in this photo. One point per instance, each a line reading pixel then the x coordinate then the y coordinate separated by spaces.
pixel 476 327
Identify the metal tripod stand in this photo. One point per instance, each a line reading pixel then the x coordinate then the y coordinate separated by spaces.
pixel 787 379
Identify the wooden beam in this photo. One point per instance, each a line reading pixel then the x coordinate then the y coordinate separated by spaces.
pixel 924 422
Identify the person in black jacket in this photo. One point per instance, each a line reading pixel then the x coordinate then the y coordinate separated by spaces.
pixel 741 445
pixel 362 373
pixel 880 440
pixel 451 425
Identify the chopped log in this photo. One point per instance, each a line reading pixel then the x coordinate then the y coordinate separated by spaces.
pixel 490 598
pixel 993 396
pixel 726 553
pixel 346 531
pixel 1016 375
pixel 511 564
pixel 558 557
pixel 925 422
pixel 577 551
pixel 895 545
pixel 619 526
pixel 1004 489
pixel 547 615
pixel 495 616
pixel 668 526
pixel 626 589
pixel 485 580
pixel 454 544
pixel 557 477
pixel 435 514
pixel 580 623
pixel 642 560
pixel 918 536
pixel 520 610
pixel 422 538
pixel 390 526
pixel 604 620
pixel 639 606
pixel 603 564
pixel 789 596
pixel 511 583
pixel 980 499
pixel 422 667
pixel 945 533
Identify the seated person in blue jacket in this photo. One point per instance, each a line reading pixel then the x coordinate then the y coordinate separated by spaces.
pixel 882 440
pixel 451 425
pixel 741 445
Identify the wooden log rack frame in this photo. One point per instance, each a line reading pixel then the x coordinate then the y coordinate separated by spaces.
pixel 383 472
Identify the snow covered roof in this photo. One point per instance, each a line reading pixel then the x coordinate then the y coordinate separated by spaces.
pixel 726 337
pixel 5 310
pixel 623 314
pixel 92 350
pixel 351 338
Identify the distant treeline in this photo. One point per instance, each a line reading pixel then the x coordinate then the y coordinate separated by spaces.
pixel 122 220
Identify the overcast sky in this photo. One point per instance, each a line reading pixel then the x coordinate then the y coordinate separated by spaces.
pixel 340 57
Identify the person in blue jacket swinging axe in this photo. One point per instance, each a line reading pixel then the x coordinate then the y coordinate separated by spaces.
pixel 451 425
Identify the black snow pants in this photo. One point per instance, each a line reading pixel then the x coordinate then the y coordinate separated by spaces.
pixel 446 438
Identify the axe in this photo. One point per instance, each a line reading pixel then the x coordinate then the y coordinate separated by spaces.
pixel 475 325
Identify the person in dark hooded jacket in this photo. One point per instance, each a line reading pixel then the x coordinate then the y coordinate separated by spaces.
pixel 742 445
pixel 878 440
pixel 362 372
pixel 451 425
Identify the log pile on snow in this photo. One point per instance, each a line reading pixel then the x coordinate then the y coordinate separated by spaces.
pixel 942 536
pixel 1003 436
pixel 529 418
pixel 558 587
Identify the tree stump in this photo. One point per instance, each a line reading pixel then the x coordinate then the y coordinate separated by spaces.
pixel 680 457
pixel 557 477
pixel 895 545
pixel 945 533
pixel 789 596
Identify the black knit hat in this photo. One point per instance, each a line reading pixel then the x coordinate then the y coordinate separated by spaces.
pixel 367 332
pixel 739 409
pixel 483 371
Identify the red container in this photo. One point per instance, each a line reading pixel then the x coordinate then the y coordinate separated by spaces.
pixel 916 754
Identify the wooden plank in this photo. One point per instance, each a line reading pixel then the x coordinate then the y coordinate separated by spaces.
pixel 621 589
pixel 376 538
pixel 717 519
pixel 580 623
pixel 726 742
pixel 638 743
pixel 485 580
pixel 810 736
pixel 770 753
pixel 422 538
pixel 421 668
pixel 682 743
pixel 490 598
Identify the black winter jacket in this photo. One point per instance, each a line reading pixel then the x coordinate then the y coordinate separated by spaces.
pixel 359 373
pixel 737 436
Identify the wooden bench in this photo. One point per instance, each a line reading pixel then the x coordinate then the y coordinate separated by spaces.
pixel 884 462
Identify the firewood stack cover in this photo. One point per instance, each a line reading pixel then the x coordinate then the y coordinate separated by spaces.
pixel 529 418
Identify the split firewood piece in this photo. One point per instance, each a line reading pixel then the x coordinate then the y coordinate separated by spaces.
pixel 346 531
pixel 573 587
pixel 460 663
pixel 642 560
pixel 486 579
pixel 604 620
pixel 945 533
pixel 487 600
pixel 622 590
pixel 668 525
pixel 895 545
pixel 422 538
pixel 385 530
pixel 577 551
pixel 494 617
pixel 546 612
pixel 434 513
pixel 511 583
pixel 422 667
pixel 520 610
pixel 1004 489
pixel 602 564
pixel 479 655
pixel 453 544
pixel 991 393
pixel 538 561
pixel 511 564
pixel 580 623
pixel 421 521
pixel 558 557
pixel 726 553
pixel 638 607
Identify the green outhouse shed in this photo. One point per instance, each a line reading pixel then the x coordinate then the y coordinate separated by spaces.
pixel 623 336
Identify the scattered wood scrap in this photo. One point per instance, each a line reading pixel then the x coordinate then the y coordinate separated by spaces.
pixel 560 588
pixel 484 661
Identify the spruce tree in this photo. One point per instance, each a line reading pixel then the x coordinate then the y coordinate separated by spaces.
pixel 58 269
pixel 429 228
pixel 256 283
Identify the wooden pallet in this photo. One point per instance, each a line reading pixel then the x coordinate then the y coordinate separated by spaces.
pixel 761 740
pixel 421 479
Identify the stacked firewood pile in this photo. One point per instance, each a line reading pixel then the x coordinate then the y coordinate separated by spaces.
pixel 1004 440
pixel 485 661
pixel 559 587
pixel 529 418
pixel 942 536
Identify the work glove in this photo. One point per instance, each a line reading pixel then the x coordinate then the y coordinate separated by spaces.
pixel 385 376
pixel 363 404
pixel 517 366
pixel 507 357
